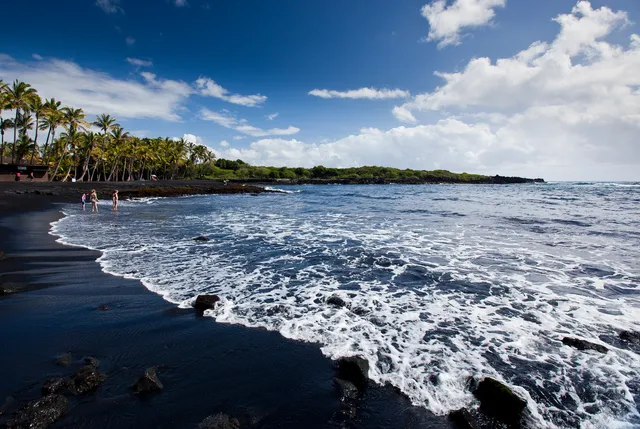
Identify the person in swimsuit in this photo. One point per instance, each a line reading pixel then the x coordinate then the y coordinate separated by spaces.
pixel 94 201
pixel 114 198
pixel 83 199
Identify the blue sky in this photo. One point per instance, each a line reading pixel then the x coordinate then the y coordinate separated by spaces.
pixel 256 59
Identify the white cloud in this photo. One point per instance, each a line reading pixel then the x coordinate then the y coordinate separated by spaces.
pixel 37 57
pixel 139 63
pixel 224 143
pixel 97 92
pixel 227 120
pixel 180 3
pixel 446 22
pixel 130 41
pixel 362 93
pixel 208 87
pixel 191 138
pixel 239 137
pixel 272 116
pixel 573 104
pixel 109 6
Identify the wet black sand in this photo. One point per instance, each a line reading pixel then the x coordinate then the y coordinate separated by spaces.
pixel 257 376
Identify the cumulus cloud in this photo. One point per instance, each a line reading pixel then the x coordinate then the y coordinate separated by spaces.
pixel 446 22
pixel 571 103
pixel 208 87
pixel 109 6
pixel 227 120
pixel 224 143
pixel 362 93
pixel 139 63
pixel 146 96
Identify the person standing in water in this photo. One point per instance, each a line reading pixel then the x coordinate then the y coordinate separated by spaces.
pixel 114 198
pixel 83 199
pixel 94 201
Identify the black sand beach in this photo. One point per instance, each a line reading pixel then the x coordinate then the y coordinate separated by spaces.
pixel 259 377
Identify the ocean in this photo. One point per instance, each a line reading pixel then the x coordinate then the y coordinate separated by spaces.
pixel 442 283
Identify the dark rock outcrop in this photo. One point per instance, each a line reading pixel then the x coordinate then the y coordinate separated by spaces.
pixel 336 301
pixel 630 336
pixel 40 413
pixel 500 402
pixel 6 405
pixel 463 419
pixel 202 238
pixel 148 382
pixel 347 389
pixel 206 302
pixel 54 385
pixel 583 345
pixel 85 380
pixel 103 307
pixel 91 361
pixel 219 421
pixel 355 370
pixel 9 288
pixel 64 360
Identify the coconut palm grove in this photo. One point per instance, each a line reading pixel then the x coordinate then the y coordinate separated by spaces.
pixel 72 149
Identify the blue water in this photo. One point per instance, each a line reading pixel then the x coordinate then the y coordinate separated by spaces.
pixel 442 282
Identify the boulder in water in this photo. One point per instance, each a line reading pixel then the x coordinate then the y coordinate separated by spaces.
pixel 40 413
pixel 91 361
pixel 86 380
pixel 355 370
pixel 148 382
pixel 348 390
pixel 630 336
pixel 206 302
pixel 336 301
pixel 583 345
pixel 103 307
pixel 219 421
pixel 202 238
pixel 54 385
pixel 464 419
pixel 498 401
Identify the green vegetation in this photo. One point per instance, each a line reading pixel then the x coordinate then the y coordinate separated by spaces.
pixel 239 170
pixel 111 154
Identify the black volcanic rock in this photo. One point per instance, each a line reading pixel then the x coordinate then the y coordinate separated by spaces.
pixel 347 389
pixel 202 238
pixel 630 336
pixel 336 301
pixel 355 370
pixel 40 413
pixel 148 382
pixel 85 380
pixel 64 360
pixel 206 302
pixel 500 402
pixel 583 345
pixel 219 421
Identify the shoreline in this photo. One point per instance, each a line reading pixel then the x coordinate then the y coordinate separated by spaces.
pixel 255 375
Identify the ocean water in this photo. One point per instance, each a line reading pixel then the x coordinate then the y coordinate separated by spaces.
pixel 442 282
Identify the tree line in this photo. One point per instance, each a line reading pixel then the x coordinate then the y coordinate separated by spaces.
pixel 72 149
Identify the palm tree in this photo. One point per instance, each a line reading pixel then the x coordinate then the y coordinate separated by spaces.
pixel 74 119
pixel 18 97
pixel 118 138
pixel 70 139
pixel 52 120
pixel 105 123
pixel 90 142
pixel 5 124
pixel 37 108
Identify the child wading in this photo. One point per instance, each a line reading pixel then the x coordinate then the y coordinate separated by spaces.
pixel 114 198
pixel 94 201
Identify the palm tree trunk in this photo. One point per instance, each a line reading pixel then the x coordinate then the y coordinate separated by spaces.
pixel 46 144
pixel 15 137
pixel 2 148
pixel 67 175
pixel 64 153
pixel 35 140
